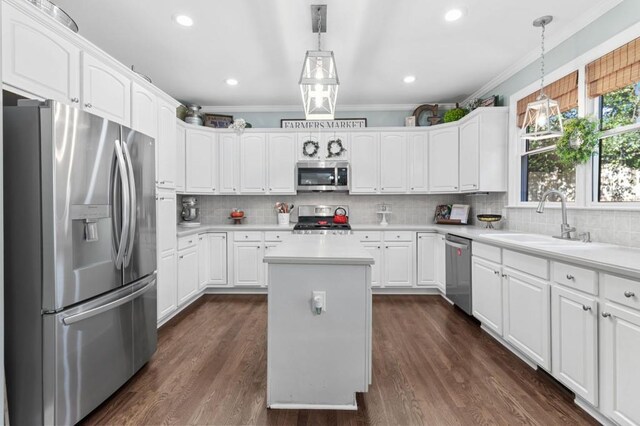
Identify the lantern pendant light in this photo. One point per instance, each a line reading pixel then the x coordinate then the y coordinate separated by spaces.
pixel 319 79
pixel 543 119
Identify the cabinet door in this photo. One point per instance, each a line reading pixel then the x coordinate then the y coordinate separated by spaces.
pixel 393 163
pixel 427 259
pixel 364 163
pixel 144 110
pixel 303 138
pixel 527 315
pixel 167 285
pixel 267 248
pixel 327 138
pixel 166 222
pixel 166 145
pixel 253 151
pixel 105 92
pixel 418 162
pixel 201 165
pixel 229 163
pixel 441 263
pixel 574 338
pixel 37 60
pixel 443 160
pixel 181 173
pixel 469 155
pixel 620 390
pixel 398 264
pixel 486 294
pixel 375 249
pixel 217 259
pixel 187 275
pixel 247 264
pixel 203 260
pixel 281 163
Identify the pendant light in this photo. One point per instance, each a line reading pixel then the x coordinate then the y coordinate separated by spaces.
pixel 543 119
pixel 319 79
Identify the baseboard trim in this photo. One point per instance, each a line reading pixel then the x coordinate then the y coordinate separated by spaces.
pixel 433 291
pixel 593 411
pixel 513 350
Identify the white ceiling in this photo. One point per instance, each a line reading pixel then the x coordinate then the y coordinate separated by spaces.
pixel 376 43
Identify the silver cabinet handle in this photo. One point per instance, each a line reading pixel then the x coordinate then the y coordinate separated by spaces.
pixel 234 189
pixel 504 275
pixel 224 237
pixel 246 236
pixel 586 308
pixel 75 100
pixel 386 246
pixel 88 105
pixel 455 187
pixel 570 277
pixel 379 247
pixel 181 257
pixel 263 189
pixel 412 189
pixel 606 314
pixel 496 272
pixel 270 189
pixel 629 294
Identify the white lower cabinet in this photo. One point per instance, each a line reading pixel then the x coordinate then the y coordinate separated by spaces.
pixel 427 259
pixel 574 331
pixel 167 285
pixel 398 264
pixel 527 315
pixel 375 249
pixel 441 263
pixel 187 274
pixel 248 269
pixel 620 351
pixel 217 259
pixel 203 260
pixel 486 294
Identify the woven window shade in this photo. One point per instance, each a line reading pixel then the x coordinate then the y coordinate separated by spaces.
pixel 614 70
pixel 564 91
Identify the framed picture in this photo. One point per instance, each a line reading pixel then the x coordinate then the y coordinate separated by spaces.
pixel 218 121
pixel 410 121
pixel 489 102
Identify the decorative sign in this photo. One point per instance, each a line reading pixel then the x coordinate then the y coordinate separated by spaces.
pixel 338 123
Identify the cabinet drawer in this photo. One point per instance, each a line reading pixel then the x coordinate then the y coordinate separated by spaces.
pixel 532 265
pixel 398 236
pixel 575 277
pixel 487 252
pixel 247 236
pixel 621 290
pixel 365 236
pixel 275 236
pixel 186 242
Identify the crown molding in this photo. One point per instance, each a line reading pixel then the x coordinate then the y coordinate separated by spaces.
pixel 551 42
pixel 298 108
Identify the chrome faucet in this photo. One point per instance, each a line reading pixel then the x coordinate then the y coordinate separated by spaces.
pixel 565 228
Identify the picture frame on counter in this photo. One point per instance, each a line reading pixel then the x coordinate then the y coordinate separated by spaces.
pixel 338 123
pixel 218 121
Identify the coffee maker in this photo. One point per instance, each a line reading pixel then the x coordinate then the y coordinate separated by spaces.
pixel 190 212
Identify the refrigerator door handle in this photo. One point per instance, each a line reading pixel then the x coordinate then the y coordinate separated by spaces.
pixel 133 204
pixel 126 213
pixel 72 319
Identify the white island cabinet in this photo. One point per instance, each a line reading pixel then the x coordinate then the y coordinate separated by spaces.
pixel 319 322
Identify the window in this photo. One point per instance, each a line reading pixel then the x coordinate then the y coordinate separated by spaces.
pixel 541 169
pixel 617 171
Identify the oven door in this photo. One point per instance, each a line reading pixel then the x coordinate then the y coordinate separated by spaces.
pixel 319 177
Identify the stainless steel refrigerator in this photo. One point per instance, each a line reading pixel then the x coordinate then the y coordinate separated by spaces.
pixel 80 260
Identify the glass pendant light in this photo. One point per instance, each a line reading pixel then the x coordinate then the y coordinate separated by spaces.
pixel 543 119
pixel 319 79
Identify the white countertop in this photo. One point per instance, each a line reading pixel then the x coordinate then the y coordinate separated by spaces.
pixel 320 249
pixel 604 257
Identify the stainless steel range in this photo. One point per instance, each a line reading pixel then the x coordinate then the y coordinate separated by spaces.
pixel 323 220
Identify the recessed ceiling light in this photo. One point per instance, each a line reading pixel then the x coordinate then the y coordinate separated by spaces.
pixel 183 20
pixel 231 82
pixel 453 15
pixel 409 79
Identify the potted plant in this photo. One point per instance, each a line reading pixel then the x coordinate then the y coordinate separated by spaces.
pixel 455 114
pixel 577 143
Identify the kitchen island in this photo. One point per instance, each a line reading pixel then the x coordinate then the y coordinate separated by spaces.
pixel 319 322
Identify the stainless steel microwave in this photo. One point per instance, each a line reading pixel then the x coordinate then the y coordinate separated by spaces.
pixel 321 176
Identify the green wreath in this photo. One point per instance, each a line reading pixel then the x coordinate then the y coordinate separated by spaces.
pixel 578 141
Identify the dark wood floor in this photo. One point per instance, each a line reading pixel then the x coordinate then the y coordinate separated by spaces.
pixel 431 365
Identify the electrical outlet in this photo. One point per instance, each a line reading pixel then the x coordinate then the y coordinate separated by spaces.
pixel 319 301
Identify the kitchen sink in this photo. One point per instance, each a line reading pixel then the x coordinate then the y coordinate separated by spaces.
pixel 534 239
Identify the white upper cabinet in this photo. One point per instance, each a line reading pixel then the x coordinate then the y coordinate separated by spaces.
pixel 330 146
pixel 418 162
pixel 181 140
pixel 364 162
pixel 166 145
pixel 202 162
pixel 144 115
pixel 393 163
pixel 443 160
pixel 37 60
pixel 281 163
pixel 483 141
pixel 253 170
pixel 229 163
pixel 105 91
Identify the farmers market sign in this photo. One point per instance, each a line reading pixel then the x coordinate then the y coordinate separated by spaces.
pixel 339 123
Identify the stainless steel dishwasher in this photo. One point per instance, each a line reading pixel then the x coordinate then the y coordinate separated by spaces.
pixel 458 276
